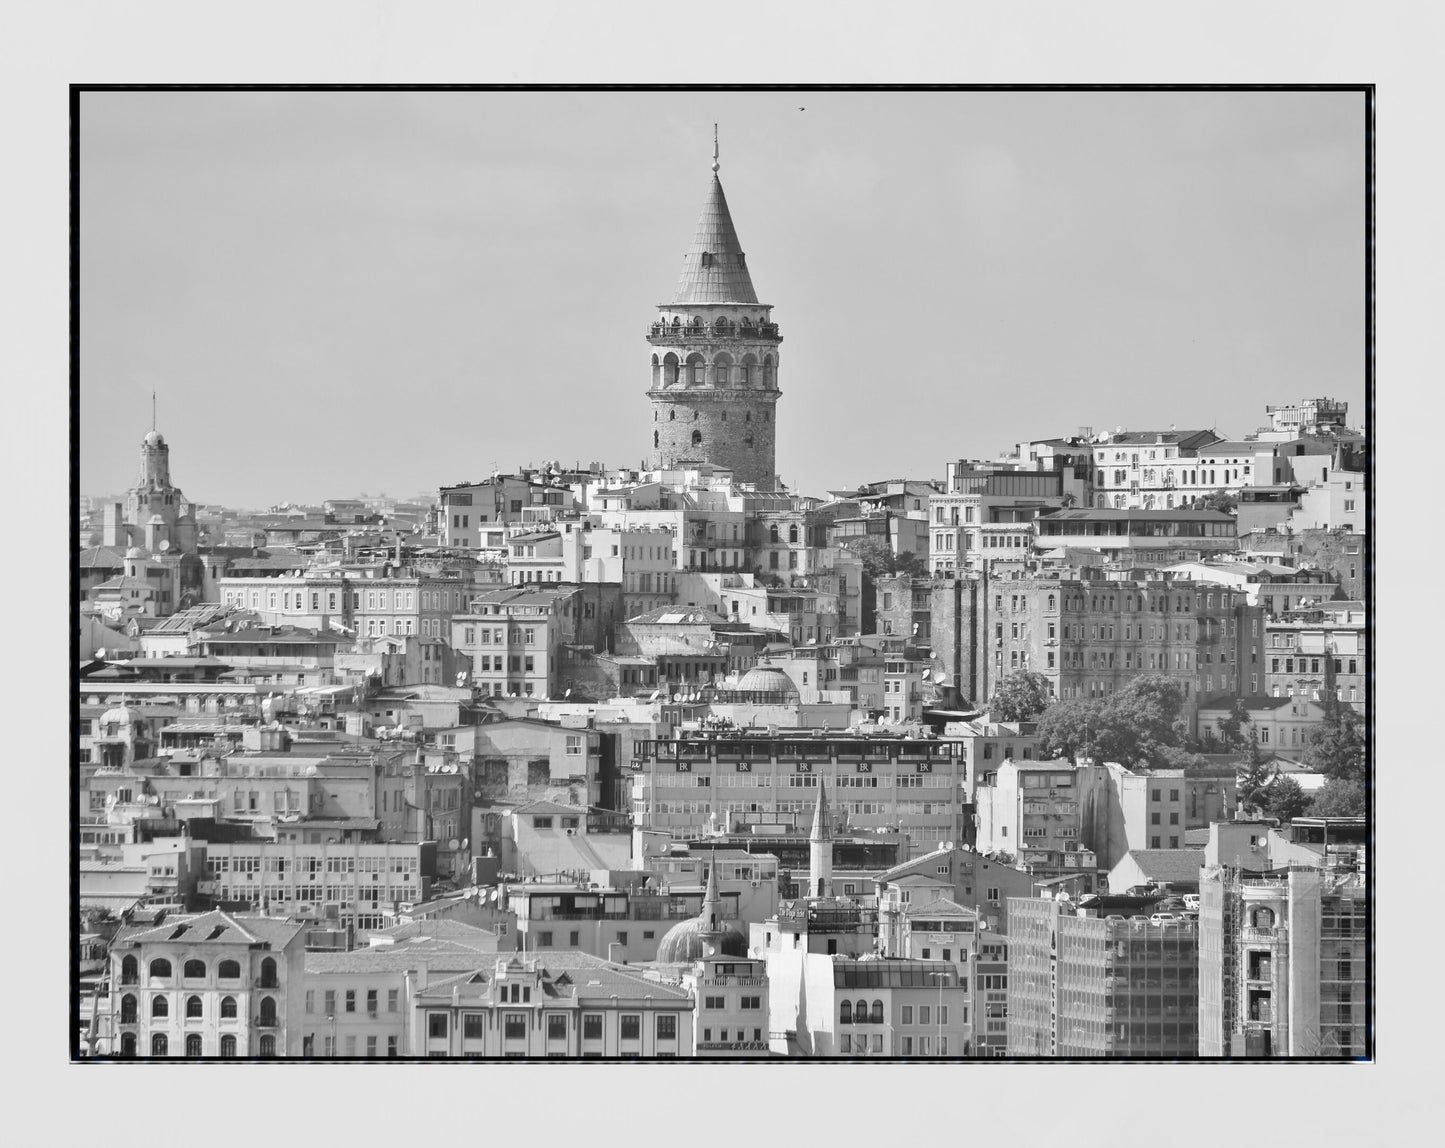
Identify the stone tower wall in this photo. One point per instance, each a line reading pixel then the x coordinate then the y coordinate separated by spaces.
pixel 736 428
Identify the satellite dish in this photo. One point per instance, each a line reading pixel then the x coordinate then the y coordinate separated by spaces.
pixel 948 846
pixel 655 693
pixel 494 894
pixel 100 653
pixel 567 694
pixel 677 697
pixel 453 844
pixel 466 842
pixel 165 545
pixel 939 677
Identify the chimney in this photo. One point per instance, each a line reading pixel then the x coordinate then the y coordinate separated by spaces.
pixel 420 975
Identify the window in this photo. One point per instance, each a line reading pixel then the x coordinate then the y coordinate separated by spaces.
pixel 371 1001
pixel 845 1013
pixel 667 1026
pixel 436 1025
pixel 194 970
pixel 350 1000
pixel 556 1026
pixel 515 1026
pixel 193 1007
pixel 330 1001
pixel 228 1046
pixel 228 1007
pixel 160 967
pixel 907 1017
pixel 474 1026
pixel 160 1046
pixel 631 1026
pixel 391 999
pixel 160 1007
pixel 592 1026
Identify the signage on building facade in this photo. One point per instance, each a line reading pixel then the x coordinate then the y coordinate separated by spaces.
pixel 805 767
pixel 684 767
pixel 925 767
pixel 745 767
pixel 865 767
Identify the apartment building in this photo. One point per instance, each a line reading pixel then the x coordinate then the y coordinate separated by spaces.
pixel 1298 641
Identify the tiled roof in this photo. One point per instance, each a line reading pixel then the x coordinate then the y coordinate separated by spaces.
pixel 215 928
pixel 545 807
pixel 101 558
pixel 678 616
pixel 440 955
pixel 940 907
pixel 723 276
pixel 1169 864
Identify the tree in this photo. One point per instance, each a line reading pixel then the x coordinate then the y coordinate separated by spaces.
pixel 1339 798
pixel 1231 726
pixel 1068 729
pixel 1019 697
pixel 1255 779
pixel 1136 725
pixel 1218 500
pixel 1285 799
pixel 1337 748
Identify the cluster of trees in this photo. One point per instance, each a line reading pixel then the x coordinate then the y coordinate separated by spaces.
pixel 1142 724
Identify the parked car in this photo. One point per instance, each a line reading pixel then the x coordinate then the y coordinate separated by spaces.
pixel 1166 919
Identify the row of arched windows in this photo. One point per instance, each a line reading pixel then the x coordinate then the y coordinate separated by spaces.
pixel 670 371
pixel 195 1007
pixel 774 536
pixel 860 1013
pixel 161 1045
pixel 193 970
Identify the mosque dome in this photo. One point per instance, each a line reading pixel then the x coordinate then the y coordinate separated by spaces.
pixel 766 678
pixel 682 944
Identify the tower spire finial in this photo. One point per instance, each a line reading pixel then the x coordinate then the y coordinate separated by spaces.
pixel 714 150
pixel 153 409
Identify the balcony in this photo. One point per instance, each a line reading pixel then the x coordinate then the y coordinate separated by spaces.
pixel 724 981
pixel 267 1022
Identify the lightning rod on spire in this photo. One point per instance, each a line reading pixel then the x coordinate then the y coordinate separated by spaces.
pixel 714 149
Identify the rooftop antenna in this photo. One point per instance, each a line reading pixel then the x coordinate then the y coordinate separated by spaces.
pixel 714 149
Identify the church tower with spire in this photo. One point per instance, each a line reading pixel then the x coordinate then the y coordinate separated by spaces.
pixel 715 358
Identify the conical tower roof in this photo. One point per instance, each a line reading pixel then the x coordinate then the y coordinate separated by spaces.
pixel 822 827
pixel 714 269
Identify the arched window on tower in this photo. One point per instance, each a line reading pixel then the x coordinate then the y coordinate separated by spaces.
pixel 768 372
pixel 654 440
pixel 669 369
pixel 773 533
pixel 696 370
pixel 697 438
pixel 656 372
pixel 721 366
pixel 671 415
pixel 793 533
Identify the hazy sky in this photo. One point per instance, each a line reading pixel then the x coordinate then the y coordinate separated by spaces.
pixel 343 292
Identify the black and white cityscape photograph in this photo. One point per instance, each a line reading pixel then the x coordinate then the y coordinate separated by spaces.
pixel 775 574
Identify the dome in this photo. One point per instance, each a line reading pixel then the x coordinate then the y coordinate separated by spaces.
pixel 153 438
pixel 765 678
pixel 682 944
pixel 119 715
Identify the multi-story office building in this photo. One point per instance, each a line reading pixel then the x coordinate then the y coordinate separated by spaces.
pixel 1099 986
pixel 208 985
pixel 742 778
pixel 1282 960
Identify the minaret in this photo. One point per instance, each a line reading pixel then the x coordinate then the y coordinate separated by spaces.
pixel 715 360
pixel 820 848
pixel 712 931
